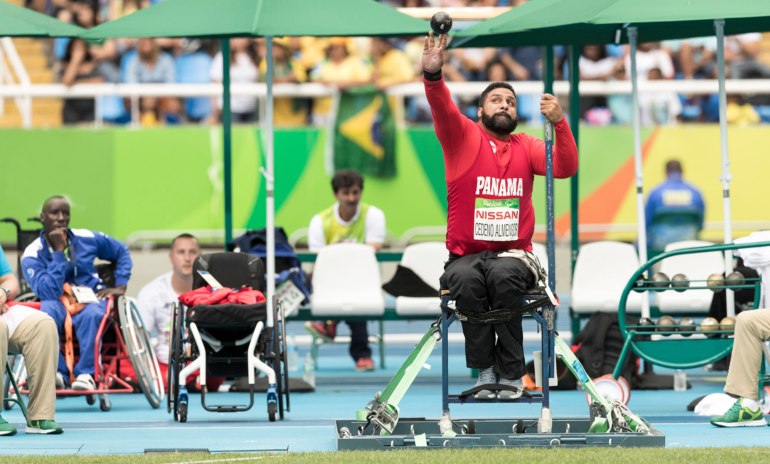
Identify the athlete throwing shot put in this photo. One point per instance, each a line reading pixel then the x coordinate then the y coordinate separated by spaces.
pixel 489 174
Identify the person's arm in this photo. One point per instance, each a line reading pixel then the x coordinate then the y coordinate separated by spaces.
pixel 374 228
pixel 46 280
pixel 452 128
pixel 112 250
pixel 565 154
pixel 9 284
pixel 76 58
pixel 315 235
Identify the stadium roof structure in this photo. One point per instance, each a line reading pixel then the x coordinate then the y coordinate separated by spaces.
pixel 261 18
pixel 570 22
pixel 16 21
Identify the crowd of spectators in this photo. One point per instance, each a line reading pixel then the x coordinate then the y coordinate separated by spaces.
pixel 353 62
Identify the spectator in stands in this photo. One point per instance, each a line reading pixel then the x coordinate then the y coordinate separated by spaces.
pixel 31 333
pixel 660 107
pixel 391 64
pixel 287 111
pixel 489 173
pixel 340 69
pixel 524 63
pixel 741 56
pixel 597 65
pixel 752 330
pixel 347 221
pixel 675 210
pixel 244 69
pixel 694 59
pixel 66 256
pixel 156 299
pixel 152 66
pixel 192 67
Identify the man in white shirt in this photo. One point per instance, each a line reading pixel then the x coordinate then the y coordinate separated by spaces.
pixel 156 299
pixel 347 221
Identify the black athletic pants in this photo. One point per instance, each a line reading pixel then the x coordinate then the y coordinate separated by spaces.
pixel 359 340
pixel 481 282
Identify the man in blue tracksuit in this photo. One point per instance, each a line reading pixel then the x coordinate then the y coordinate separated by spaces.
pixel 675 210
pixel 63 255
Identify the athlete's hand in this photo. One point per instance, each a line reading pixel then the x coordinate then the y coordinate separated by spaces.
pixel 57 238
pixel 433 53
pixel 105 293
pixel 550 108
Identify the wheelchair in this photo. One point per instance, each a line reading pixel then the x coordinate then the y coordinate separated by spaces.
pixel 127 360
pixel 228 340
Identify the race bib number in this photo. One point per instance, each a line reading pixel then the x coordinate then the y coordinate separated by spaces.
pixel 496 220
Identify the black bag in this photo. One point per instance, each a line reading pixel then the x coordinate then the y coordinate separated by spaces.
pixel 599 344
pixel 287 264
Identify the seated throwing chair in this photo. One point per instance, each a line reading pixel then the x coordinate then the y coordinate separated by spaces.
pixel 226 340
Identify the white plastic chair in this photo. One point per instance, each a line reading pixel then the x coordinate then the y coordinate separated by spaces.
pixel 427 261
pixel 697 266
pixel 346 282
pixel 602 271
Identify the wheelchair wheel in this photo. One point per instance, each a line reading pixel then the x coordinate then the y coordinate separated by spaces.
pixel 140 351
pixel 90 400
pixel 181 413
pixel 280 361
pixel 104 402
pixel 271 409
pixel 175 361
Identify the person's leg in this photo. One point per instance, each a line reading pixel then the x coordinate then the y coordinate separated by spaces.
pixel 56 310
pixel 752 328
pixel 5 427
pixel 359 342
pixel 36 338
pixel 3 357
pixel 464 278
pixel 508 280
pixel 86 324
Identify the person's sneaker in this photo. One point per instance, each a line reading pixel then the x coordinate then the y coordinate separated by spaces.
pixel 486 377
pixel 43 427
pixel 6 429
pixel 510 394
pixel 60 385
pixel 84 382
pixel 740 416
pixel 364 364
pixel 326 331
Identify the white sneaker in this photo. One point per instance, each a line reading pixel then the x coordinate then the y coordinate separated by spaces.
pixel 84 382
pixel 60 381
pixel 510 394
pixel 486 377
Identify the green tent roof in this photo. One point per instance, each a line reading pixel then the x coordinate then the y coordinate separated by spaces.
pixel 550 22
pixel 259 18
pixel 16 21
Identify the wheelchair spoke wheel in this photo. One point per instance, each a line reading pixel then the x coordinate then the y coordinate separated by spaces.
pixel 140 351
pixel 175 361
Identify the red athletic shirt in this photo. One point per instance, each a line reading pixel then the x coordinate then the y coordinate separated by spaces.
pixel 489 181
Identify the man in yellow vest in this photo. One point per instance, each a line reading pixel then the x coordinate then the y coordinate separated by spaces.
pixel 347 221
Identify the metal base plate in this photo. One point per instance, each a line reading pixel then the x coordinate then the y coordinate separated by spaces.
pixel 424 433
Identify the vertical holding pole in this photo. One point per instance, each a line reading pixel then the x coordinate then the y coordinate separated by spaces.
pixel 638 169
pixel 548 310
pixel 226 140
pixel 574 122
pixel 550 236
pixel 269 184
pixel 726 177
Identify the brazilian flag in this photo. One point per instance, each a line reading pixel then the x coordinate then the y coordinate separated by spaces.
pixel 365 133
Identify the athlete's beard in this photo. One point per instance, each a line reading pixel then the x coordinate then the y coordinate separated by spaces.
pixel 500 123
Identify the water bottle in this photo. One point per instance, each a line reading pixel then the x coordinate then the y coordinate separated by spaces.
pixel 309 375
pixel 680 380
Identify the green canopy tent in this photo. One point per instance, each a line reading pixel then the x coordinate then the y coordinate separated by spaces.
pixel 259 18
pixel 546 22
pixel 16 21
